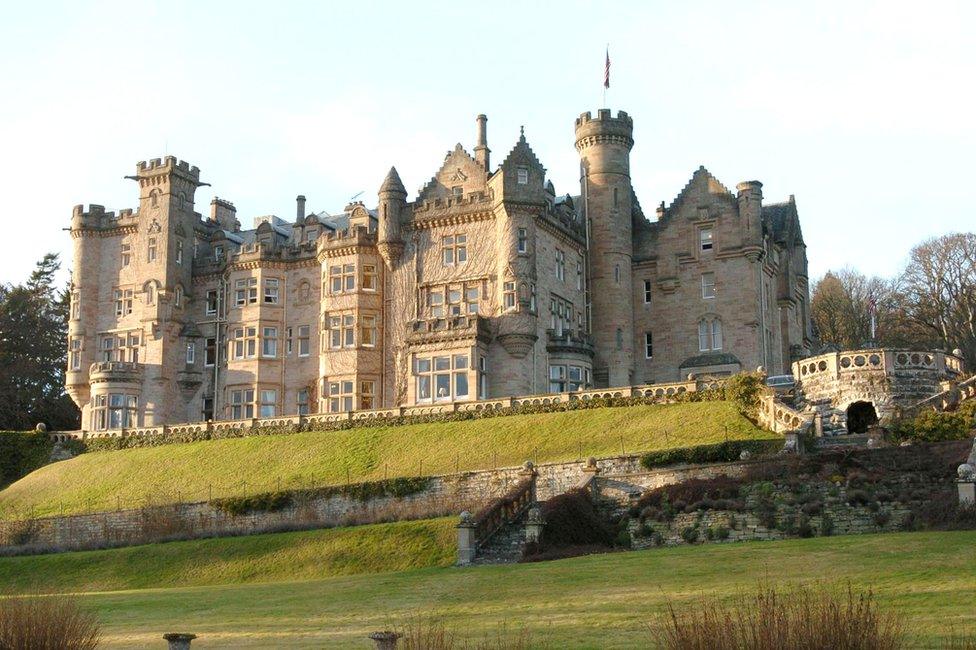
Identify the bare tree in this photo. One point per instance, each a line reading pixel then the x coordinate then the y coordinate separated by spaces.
pixel 940 291
pixel 841 311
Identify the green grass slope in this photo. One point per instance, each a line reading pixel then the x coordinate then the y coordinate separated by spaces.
pixel 189 471
pixel 280 557
pixel 603 601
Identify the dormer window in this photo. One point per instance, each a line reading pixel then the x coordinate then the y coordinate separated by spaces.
pixel 457 191
pixel 311 235
pixel 522 175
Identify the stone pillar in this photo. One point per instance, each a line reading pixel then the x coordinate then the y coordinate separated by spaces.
pixel 818 424
pixel 534 525
pixel 179 640
pixel 967 485
pixel 385 640
pixel 467 543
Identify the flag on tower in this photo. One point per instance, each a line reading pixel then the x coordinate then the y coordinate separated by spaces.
pixel 606 72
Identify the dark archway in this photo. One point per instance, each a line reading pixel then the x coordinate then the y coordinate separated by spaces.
pixel 860 416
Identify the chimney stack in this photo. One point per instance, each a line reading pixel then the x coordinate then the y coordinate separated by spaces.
pixel 481 151
pixel 300 209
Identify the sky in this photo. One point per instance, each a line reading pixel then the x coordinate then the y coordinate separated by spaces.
pixel 862 110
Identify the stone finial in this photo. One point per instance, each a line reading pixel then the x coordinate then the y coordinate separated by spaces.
pixel 957 353
pixel 528 466
pixel 966 472
pixel 179 640
pixel 761 370
pixel 691 376
pixel 385 640
pixel 591 462
pixel 41 428
pixel 745 454
pixel 466 518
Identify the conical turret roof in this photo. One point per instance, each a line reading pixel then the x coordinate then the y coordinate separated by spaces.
pixel 392 183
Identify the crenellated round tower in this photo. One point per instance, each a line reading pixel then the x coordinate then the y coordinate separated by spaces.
pixel 604 143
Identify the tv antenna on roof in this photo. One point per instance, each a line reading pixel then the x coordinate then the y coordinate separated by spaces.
pixel 356 196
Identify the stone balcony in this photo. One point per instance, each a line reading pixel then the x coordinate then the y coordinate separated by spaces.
pixel 115 372
pixel 568 342
pixel 451 328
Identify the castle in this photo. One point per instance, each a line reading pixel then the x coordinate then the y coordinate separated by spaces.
pixel 488 283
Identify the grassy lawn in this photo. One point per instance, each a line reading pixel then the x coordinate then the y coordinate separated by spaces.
pixel 280 557
pixel 189 472
pixel 602 601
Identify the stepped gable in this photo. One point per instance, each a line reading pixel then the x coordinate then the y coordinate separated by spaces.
pixel 701 181
pixel 458 170
pixel 522 155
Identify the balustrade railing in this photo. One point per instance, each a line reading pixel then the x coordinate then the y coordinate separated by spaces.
pixel 503 511
pixel 654 392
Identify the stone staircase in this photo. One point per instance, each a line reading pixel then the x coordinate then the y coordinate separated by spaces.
pixel 505 546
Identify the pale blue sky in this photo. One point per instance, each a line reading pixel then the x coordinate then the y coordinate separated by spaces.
pixel 863 110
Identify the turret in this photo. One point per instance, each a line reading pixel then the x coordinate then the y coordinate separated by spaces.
pixel 481 151
pixel 392 200
pixel 750 209
pixel 604 143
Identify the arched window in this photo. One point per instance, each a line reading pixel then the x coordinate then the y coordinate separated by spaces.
pixel 616 273
pixel 304 291
pixel 150 290
pixel 709 334
pixel 178 297
pixel 154 198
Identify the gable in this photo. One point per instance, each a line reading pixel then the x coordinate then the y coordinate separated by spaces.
pixel 459 170
pixel 701 191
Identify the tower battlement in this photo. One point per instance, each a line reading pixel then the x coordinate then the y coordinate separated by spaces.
pixel 604 126
pixel 168 165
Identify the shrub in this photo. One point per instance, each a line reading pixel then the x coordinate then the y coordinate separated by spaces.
pixel 673 498
pixel 826 526
pixel 744 389
pixel 690 534
pixel 427 633
pixel 363 492
pixel 803 527
pixel 46 623
pixel 936 426
pixel 623 539
pixel 21 452
pixel 657 539
pixel 881 519
pixel 722 452
pixel 573 521
pixel 769 620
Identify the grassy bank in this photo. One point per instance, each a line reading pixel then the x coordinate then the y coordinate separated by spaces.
pixel 602 601
pixel 307 555
pixel 194 471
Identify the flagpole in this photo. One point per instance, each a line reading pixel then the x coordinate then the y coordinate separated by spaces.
pixel 606 77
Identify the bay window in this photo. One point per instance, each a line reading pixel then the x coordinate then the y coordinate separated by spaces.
pixel 113 411
pixel 442 378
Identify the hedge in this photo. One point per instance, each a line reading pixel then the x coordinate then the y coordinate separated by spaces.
pixel 717 453
pixel 274 501
pixel 21 452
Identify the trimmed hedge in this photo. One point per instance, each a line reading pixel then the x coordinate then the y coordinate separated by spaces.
pixel 21 452
pixel 722 452
pixel 275 501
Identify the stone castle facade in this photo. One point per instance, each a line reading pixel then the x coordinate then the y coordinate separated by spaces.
pixel 487 283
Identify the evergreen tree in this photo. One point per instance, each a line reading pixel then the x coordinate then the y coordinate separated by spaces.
pixel 33 352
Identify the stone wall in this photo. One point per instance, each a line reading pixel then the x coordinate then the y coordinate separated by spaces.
pixel 731 526
pixel 444 495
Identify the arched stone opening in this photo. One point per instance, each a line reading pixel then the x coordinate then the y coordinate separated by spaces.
pixel 860 416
